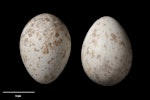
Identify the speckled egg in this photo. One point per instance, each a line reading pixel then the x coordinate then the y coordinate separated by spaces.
pixel 106 52
pixel 45 46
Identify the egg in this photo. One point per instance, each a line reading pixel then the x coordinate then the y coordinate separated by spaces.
pixel 106 52
pixel 45 46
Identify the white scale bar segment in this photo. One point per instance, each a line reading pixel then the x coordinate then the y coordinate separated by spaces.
pixel 18 92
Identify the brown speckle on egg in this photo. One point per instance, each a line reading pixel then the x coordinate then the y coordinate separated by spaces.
pixel 57 42
pixel 36 50
pixel 57 34
pixel 45 50
pixel 47 19
pixel 50 61
pixel 113 37
pixel 122 43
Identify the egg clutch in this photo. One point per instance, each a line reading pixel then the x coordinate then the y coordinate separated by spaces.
pixel 45 47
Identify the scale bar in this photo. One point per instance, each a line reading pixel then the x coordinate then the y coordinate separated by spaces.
pixel 18 92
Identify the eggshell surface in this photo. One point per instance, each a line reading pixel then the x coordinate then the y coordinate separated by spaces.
pixel 106 52
pixel 45 46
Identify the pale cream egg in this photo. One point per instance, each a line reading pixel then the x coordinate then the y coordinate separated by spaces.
pixel 45 47
pixel 106 52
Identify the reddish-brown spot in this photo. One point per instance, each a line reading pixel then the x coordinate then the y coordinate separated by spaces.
pixel 58 42
pixel 50 61
pixel 122 43
pixel 45 50
pixel 47 19
pixel 113 37
pixel 36 50
pixel 57 34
